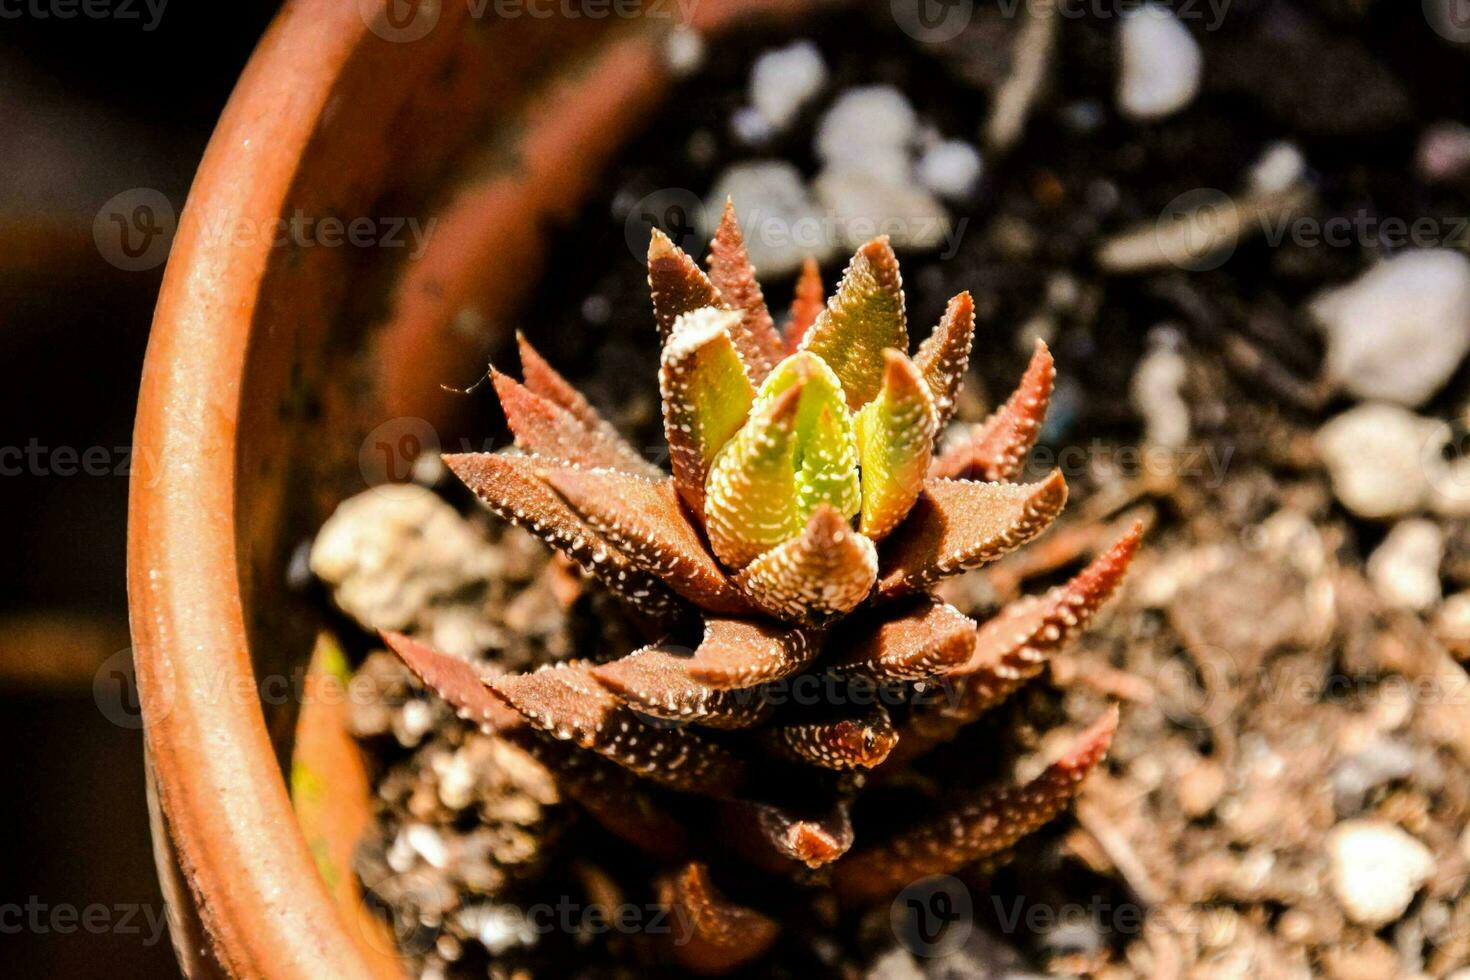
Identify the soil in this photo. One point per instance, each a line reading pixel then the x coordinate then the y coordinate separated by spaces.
pixel 1268 692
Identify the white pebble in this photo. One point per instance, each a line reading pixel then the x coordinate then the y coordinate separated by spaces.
pixel 780 222
pixel 427 843
pixel 865 129
pixel 1280 167
pixel 1374 455
pixel 1375 870
pixel 862 206
pixel 751 127
pixel 950 169
pixel 1401 329
pixel 1405 567
pixel 1444 153
pixel 684 50
pixel 1156 392
pixel 1161 63
pixel 784 80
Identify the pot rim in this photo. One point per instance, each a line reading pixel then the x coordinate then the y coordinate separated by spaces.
pixel 263 908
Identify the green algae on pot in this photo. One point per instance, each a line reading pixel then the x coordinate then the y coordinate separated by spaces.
pixel 329 117
pixel 806 520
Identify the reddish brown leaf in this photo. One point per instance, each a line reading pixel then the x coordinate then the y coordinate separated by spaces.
pixel 465 688
pixel 511 489
pixel 743 653
pixel 646 522
pixel 773 835
pixel 733 277
pixel 544 380
pixel 824 572
pixel 553 433
pixel 655 680
pixel 860 742
pixel 713 935
pixel 974 826
pixel 566 701
pixel 944 356
pixel 1012 648
pixel 904 641
pixel 676 283
pixel 806 304
pixel 996 448
pixel 959 524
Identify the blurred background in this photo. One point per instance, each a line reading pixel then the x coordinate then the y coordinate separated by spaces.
pixel 93 106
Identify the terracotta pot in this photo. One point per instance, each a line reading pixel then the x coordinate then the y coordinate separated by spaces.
pixel 269 361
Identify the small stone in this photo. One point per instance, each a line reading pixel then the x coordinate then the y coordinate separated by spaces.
pixel 393 553
pixel 1280 167
pixel 1405 567
pixel 1443 155
pixel 1156 392
pixel 785 79
pixel 866 129
pixel 427 843
pixel 1200 788
pixel 779 220
pixel 862 207
pixel 751 127
pixel 499 928
pixel 1373 454
pixel 1375 870
pixel 895 964
pixel 1452 625
pixel 1382 760
pixel 1160 61
pixel 684 50
pixel 1401 329
pixel 950 168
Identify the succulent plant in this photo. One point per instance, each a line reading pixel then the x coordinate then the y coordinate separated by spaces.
pixel 793 548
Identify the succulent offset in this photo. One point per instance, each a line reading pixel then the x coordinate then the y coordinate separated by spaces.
pixel 793 548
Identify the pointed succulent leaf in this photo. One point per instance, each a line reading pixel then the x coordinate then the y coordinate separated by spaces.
pixel 859 742
pixel 813 832
pixel 739 653
pixel 655 680
pixel 750 497
pixel 904 641
pixel 806 305
pixel 716 935
pixel 895 435
pixel 510 488
pixel 733 276
pixel 1012 647
pixel 959 524
pixel 863 318
pixel 944 356
pixel 544 380
pixel 706 396
pixel 465 688
pixel 566 701
pixel 644 520
pixel 826 450
pixel 973 827
pixel 826 571
pixel 548 430
pixel 996 448
pixel 676 284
